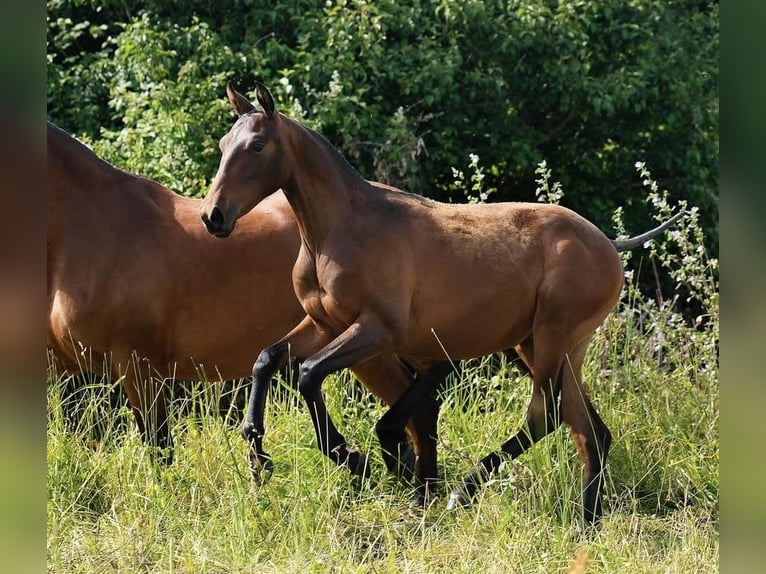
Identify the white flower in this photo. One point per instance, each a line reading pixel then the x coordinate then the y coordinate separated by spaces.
pixel 285 81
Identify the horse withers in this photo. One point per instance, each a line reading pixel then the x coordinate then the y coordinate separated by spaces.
pixel 137 289
pixel 383 271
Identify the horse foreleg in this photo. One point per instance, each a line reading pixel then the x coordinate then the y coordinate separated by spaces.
pixel 300 341
pixel 359 342
pixel 149 404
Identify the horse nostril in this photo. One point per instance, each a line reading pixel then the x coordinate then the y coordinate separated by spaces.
pixel 216 218
pixel 215 222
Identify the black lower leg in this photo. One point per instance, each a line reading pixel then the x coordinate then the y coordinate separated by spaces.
pixel 154 427
pixel 535 429
pixel 424 423
pixel 331 443
pixel 594 475
pixel 268 362
pixel 391 429
pixel 165 449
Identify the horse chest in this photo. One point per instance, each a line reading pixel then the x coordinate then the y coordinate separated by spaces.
pixel 324 303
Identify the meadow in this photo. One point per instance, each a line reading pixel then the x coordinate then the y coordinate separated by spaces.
pixel 653 374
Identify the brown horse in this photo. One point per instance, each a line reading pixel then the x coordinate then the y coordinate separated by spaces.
pixel 390 272
pixel 138 289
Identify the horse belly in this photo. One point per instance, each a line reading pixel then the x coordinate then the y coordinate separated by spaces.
pixel 468 333
pixel 68 334
pixel 99 329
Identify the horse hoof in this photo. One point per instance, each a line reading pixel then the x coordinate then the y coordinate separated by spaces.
pixel 425 494
pixel 420 501
pixel 457 500
pixel 358 464
pixel 261 471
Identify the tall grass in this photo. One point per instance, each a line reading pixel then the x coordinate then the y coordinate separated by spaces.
pixel 654 378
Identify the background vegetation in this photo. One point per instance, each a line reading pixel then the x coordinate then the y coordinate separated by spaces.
pixel 408 89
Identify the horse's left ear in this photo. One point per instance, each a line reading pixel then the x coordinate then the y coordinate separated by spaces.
pixel 239 102
pixel 264 97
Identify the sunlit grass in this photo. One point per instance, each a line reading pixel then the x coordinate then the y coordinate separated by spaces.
pixel 111 508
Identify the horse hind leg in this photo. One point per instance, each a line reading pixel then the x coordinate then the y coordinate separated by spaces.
pixel 147 399
pixel 590 434
pixel 386 377
pixel 542 416
pixel 419 405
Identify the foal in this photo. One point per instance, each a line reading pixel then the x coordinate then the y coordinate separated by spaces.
pixel 382 271
pixel 138 287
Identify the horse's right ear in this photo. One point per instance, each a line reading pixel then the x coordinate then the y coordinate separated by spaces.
pixel 265 98
pixel 239 102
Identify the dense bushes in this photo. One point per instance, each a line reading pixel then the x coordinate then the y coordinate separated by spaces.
pixel 407 90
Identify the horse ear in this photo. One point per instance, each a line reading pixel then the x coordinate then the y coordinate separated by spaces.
pixel 239 102
pixel 264 97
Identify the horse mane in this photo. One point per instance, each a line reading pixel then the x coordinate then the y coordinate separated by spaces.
pixel 72 152
pixel 74 147
pixel 331 150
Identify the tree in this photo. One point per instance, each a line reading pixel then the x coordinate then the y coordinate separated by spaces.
pixel 408 90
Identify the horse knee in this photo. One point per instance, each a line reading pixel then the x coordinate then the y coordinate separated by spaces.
pixel 268 357
pixel 309 379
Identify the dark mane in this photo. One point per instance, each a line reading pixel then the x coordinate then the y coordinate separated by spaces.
pixel 70 147
pixel 73 146
pixel 330 149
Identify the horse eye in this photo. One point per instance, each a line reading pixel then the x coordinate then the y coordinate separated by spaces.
pixel 257 145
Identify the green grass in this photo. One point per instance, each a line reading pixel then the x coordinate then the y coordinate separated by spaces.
pixel 110 509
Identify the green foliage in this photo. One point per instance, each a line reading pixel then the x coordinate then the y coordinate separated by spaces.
pixel 477 191
pixel 545 192
pixel 407 90
pixel 165 86
pixel 79 45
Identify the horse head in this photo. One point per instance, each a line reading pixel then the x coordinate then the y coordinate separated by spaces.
pixel 252 166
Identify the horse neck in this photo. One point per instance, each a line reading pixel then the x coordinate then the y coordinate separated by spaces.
pixel 74 172
pixel 74 175
pixel 83 188
pixel 323 188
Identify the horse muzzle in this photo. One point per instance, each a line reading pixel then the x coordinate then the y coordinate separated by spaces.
pixel 215 223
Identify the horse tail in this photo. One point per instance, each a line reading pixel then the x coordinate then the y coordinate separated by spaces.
pixel 638 240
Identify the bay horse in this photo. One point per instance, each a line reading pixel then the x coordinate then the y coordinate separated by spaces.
pixel 382 271
pixel 137 289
